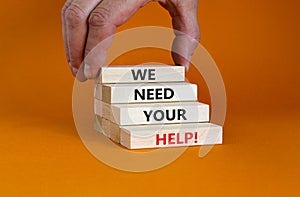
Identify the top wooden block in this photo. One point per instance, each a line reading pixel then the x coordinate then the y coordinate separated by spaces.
pixel 138 74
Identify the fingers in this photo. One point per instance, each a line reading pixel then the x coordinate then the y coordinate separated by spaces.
pixel 186 29
pixel 64 30
pixel 103 21
pixel 75 19
pixel 91 23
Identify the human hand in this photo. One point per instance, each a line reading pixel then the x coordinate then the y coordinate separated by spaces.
pixel 86 23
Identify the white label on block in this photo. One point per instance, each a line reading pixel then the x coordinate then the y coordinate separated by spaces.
pixel 138 74
pixel 146 92
pixel 170 135
pixel 153 113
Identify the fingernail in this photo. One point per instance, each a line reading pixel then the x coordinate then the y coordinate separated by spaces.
pixel 74 70
pixel 187 68
pixel 87 71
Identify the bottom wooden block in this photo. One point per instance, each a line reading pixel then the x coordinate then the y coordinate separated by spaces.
pixel 108 128
pixel 170 135
pixel 155 136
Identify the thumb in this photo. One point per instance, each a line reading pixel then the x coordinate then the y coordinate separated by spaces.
pixel 186 29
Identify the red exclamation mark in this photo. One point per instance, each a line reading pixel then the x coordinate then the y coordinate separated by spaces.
pixel 196 137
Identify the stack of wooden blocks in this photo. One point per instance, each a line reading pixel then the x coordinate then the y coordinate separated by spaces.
pixel 151 107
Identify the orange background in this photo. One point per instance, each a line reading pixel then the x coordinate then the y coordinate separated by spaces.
pixel 256 46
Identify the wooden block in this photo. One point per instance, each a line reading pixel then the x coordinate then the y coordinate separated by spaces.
pixel 108 128
pixel 170 135
pixel 149 92
pixel 141 73
pixel 97 125
pixel 102 125
pixel 114 132
pixel 153 113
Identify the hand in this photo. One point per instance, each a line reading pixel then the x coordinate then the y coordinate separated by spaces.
pixel 88 22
